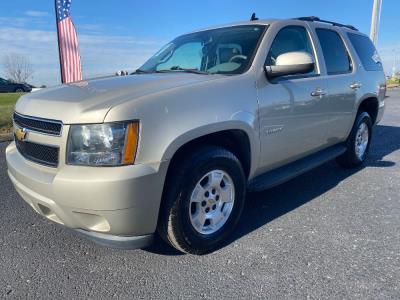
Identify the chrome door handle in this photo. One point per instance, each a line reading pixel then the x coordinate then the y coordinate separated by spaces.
pixel 318 93
pixel 356 85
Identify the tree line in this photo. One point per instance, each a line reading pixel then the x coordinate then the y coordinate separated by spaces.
pixel 17 67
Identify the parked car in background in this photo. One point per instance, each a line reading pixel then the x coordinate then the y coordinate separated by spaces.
pixel 174 147
pixel 7 86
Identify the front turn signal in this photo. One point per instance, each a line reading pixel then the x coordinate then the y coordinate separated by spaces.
pixel 131 143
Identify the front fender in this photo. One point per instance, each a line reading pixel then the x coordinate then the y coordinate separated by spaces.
pixel 243 121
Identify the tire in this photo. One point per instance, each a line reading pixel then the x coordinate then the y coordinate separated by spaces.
pixel 178 224
pixel 19 90
pixel 352 159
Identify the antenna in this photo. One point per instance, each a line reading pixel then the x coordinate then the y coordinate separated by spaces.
pixel 253 17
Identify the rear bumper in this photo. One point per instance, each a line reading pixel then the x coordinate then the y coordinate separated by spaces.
pixel 117 207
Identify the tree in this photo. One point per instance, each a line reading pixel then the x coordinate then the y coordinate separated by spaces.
pixel 17 67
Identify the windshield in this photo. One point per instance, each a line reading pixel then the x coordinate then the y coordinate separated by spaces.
pixel 218 51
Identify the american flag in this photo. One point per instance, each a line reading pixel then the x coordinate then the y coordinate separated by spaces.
pixel 70 60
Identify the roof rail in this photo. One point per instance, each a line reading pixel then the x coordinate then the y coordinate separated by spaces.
pixel 316 19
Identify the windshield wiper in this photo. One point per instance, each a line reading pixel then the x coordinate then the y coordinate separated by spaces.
pixel 172 69
pixel 139 71
pixel 187 70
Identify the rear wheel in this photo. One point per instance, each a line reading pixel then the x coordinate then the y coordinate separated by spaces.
pixel 203 201
pixel 358 142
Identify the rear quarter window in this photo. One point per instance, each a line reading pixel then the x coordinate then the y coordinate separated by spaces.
pixel 366 52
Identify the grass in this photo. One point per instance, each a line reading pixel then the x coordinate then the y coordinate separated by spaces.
pixel 7 103
pixel 393 82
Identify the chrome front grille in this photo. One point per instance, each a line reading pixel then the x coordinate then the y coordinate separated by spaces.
pixel 51 127
pixel 33 149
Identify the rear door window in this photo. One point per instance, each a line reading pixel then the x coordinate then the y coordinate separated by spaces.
pixel 337 59
pixel 366 52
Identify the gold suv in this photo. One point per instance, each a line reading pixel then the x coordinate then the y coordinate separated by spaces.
pixel 174 147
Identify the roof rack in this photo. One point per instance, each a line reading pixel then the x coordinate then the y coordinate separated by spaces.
pixel 316 19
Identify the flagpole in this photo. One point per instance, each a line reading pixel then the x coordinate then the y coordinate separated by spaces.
pixel 375 20
pixel 58 43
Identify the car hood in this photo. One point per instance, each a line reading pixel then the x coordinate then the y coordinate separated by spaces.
pixel 89 101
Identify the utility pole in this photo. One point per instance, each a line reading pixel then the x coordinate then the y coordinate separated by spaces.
pixel 376 16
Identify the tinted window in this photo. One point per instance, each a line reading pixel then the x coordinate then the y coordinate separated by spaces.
pixel 366 52
pixel 224 51
pixel 289 39
pixel 337 59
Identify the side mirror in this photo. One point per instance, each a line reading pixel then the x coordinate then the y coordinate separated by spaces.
pixel 291 63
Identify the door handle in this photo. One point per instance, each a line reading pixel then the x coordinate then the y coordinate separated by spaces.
pixel 356 85
pixel 318 93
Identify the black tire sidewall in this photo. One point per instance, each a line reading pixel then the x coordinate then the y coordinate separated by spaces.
pixel 214 160
pixel 363 117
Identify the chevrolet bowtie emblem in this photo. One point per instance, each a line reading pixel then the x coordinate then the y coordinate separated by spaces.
pixel 20 134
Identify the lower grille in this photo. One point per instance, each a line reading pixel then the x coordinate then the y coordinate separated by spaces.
pixel 41 154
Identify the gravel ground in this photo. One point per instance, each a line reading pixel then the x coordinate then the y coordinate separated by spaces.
pixel 331 233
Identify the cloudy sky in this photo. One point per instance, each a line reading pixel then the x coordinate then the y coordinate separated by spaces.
pixel 122 34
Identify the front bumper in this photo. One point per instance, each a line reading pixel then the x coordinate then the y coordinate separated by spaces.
pixel 112 206
pixel 119 242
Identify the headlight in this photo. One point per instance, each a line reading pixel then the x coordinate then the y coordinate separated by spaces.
pixel 109 144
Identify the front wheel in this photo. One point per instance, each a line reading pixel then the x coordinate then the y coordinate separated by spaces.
pixel 203 201
pixel 358 142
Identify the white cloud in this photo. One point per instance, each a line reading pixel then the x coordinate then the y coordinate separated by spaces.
pixel 101 54
pixel 90 27
pixel 17 22
pixel 22 22
pixel 36 13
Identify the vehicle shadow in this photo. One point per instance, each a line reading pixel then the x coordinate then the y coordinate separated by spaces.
pixel 263 207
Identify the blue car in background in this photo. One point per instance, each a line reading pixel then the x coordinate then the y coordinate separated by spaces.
pixel 7 86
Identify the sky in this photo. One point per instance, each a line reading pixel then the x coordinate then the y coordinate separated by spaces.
pixel 122 34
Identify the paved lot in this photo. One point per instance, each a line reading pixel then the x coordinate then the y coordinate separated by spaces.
pixel 330 233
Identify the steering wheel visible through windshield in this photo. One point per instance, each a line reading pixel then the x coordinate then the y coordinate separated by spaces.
pixel 218 51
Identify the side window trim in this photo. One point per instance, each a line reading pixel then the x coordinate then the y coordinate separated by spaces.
pixel 346 47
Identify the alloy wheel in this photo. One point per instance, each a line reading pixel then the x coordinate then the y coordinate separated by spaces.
pixel 211 202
